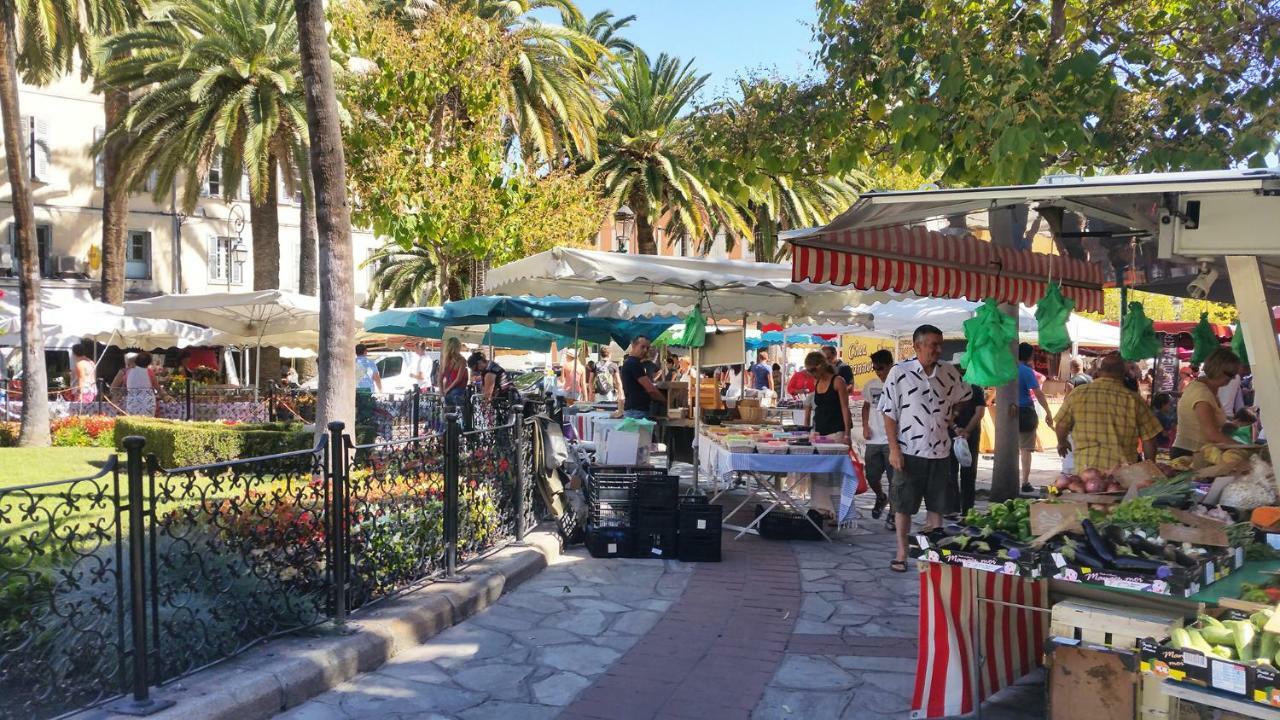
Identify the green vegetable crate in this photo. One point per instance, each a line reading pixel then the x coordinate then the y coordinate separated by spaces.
pixel 1022 563
pixel 1173 580
pixel 1204 669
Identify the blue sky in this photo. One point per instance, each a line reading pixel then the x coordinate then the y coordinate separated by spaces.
pixel 725 38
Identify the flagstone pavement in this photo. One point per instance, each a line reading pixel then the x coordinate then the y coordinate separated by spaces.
pixel 776 630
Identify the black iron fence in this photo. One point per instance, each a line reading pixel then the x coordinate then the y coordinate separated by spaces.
pixel 139 575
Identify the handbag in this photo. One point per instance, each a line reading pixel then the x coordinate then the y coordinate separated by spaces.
pixel 1028 421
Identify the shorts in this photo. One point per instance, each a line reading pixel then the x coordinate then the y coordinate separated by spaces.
pixel 1027 440
pixel 876 461
pixel 921 479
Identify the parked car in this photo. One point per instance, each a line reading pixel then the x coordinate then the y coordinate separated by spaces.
pixel 394 366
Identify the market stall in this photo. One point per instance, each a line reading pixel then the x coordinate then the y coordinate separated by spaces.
pixel 1140 592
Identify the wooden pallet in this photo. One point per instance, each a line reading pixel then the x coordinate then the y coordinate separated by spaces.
pixel 1118 627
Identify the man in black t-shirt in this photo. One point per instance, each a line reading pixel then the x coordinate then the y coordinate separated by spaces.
pixel 637 388
pixel 493 378
pixel 843 371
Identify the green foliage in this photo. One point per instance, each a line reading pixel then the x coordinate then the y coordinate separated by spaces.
pixel 180 443
pixel 1165 308
pixel 83 431
pixel 1000 91
pixel 760 153
pixel 214 79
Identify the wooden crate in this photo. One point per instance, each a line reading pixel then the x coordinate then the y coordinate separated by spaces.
pixel 1119 627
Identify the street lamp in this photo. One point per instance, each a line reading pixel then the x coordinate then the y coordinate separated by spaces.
pixel 235 248
pixel 624 224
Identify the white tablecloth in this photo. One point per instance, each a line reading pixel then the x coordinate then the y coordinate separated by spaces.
pixel 721 463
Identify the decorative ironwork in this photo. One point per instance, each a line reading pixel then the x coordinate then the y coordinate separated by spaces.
pixel 62 621
pixel 395 505
pixel 488 475
pixel 238 553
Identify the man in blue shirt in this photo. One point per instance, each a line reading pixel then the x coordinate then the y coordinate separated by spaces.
pixel 762 372
pixel 1029 393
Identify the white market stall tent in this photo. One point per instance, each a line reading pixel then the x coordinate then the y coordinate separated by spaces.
pixel 70 316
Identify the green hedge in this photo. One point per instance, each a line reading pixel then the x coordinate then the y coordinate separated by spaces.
pixel 181 443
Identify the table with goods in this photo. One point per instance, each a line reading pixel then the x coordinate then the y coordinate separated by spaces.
pixel 1143 590
pixel 771 461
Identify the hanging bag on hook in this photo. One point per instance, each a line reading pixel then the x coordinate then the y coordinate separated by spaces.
pixel 1237 344
pixel 1138 339
pixel 1052 313
pixel 1204 340
pixel 988 360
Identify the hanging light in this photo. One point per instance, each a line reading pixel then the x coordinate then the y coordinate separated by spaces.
pixel 624 224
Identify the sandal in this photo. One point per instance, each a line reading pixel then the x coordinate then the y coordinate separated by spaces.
pixel 889 523
pixel 881 501
pixel 899 566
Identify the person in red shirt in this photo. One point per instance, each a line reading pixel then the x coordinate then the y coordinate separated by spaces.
pixel 800 382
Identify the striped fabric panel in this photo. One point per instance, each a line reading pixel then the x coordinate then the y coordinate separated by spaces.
pixel 1011 639
pixel 956 267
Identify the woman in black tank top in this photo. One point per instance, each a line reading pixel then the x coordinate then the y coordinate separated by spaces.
pixel 830 411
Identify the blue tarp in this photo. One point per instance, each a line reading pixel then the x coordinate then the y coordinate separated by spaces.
pixel 773 337
pixel 487 309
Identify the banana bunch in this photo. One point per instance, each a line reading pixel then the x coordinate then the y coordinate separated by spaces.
pixel 1240 640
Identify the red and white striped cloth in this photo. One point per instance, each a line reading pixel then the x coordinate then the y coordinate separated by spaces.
pixel 930 264
pixel 1012 640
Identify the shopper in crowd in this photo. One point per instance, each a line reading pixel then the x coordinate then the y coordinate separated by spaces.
pixel 1078 375
pixel 493 379
pixel 368 379
pixel 800 383
pixel 141 387
pixel 638 389
pixel 917 403
pixel 1029 393
pixel 684 370
pixel 876 453
pixel 967 425
pixel 288 377
pixel 589 381
pixel 451 372
pixel 777 378
pixel 761 372
pixel 1200 416
pixel 1241 428
pixel 1104 422
pixel 606 382
pixel 1168 417
pixel 844 371
pixel 85 382
pixel 573 378
pixel 828 417
pixel 420 365
pixel 1231 395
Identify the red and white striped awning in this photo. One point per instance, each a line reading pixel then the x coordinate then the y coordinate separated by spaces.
pixel 930 264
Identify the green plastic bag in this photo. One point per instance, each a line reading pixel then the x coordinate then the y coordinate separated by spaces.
pixel 1237 344
pixel 988 359
pixel 1138 339
pixel 1204 339
pixel 1052 313
pixel 692 334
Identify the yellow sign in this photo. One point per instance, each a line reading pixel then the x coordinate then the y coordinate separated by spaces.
pixel 856 351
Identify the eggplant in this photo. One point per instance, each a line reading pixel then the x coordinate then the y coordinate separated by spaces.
pixel 1098 544
pixel 1080 556
pixel 1130 562
pixel 1145 547
pixel 1174 553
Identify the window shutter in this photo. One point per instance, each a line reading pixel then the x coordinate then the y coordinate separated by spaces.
pixel 99 164
pixel 215 258
pixel 243 192
pixel 237 268
pixel 40 163
pixel 149 185
pixel 28 156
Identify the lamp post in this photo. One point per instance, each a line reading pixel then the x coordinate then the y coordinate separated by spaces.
pixel 235 248
pixel 624 224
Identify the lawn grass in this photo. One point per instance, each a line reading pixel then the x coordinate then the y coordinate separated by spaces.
pixel 28 466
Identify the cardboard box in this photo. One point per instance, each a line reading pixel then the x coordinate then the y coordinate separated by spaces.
pixel 1046 516
pixel 1189 666
pixel 1177 581
pixel 1028 564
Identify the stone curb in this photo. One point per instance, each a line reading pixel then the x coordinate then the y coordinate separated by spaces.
pixel 289 671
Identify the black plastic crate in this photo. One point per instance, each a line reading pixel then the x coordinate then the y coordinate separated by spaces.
pixel 782 524
pixel 658 492
pixel 654 543
pixel 698 548
pixel 610 515
pixel 610 542
pixel 656 520
pixel 603 489
pixel 700 518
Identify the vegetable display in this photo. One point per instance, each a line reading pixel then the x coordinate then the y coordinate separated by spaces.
pixel 1012 517
pixel 1241 640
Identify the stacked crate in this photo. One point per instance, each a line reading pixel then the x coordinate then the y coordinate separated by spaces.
pixel 654 518
pixel 609 503
pixel 699 530
pixel 638 513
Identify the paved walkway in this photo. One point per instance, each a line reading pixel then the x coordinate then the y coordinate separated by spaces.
pixel 775 631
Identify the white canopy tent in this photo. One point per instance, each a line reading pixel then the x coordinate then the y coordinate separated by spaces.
pixel 731 288
pixel 899 318
pixel 68 317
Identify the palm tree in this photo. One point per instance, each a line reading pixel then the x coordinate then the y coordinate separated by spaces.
pixel 550 101
pixel 42 40
pixel 218 82
pixel 404 277
pixel 602 28
pixel 642 161
pixel 337 397
pixel 796 202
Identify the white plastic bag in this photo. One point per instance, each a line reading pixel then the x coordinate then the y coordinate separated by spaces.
pixel 961 448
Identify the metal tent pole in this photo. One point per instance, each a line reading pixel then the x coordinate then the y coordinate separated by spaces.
pixel 1257 324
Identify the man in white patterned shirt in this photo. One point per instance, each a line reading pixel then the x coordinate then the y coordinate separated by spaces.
pixel 917 404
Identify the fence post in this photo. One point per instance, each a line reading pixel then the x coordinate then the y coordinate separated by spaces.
pixel 452 446
pixel 338 520
pixel 517 435
pixel 141 702
pixel 187 400
pixel 414 413
pixel 469 409
pixel 102 391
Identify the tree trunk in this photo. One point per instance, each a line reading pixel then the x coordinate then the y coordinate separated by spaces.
pixel 115 201
pixel 264 219
pixel 35 383
pixel 307 234
pixel 337 396
pixel 645 242
pixel 766 245
pixel 1006 472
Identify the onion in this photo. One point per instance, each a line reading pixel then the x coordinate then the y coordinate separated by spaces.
pixel 1114 486
pixel 1095 485
pixel 1062 482
pixel 1076 486
pixel 1091 475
